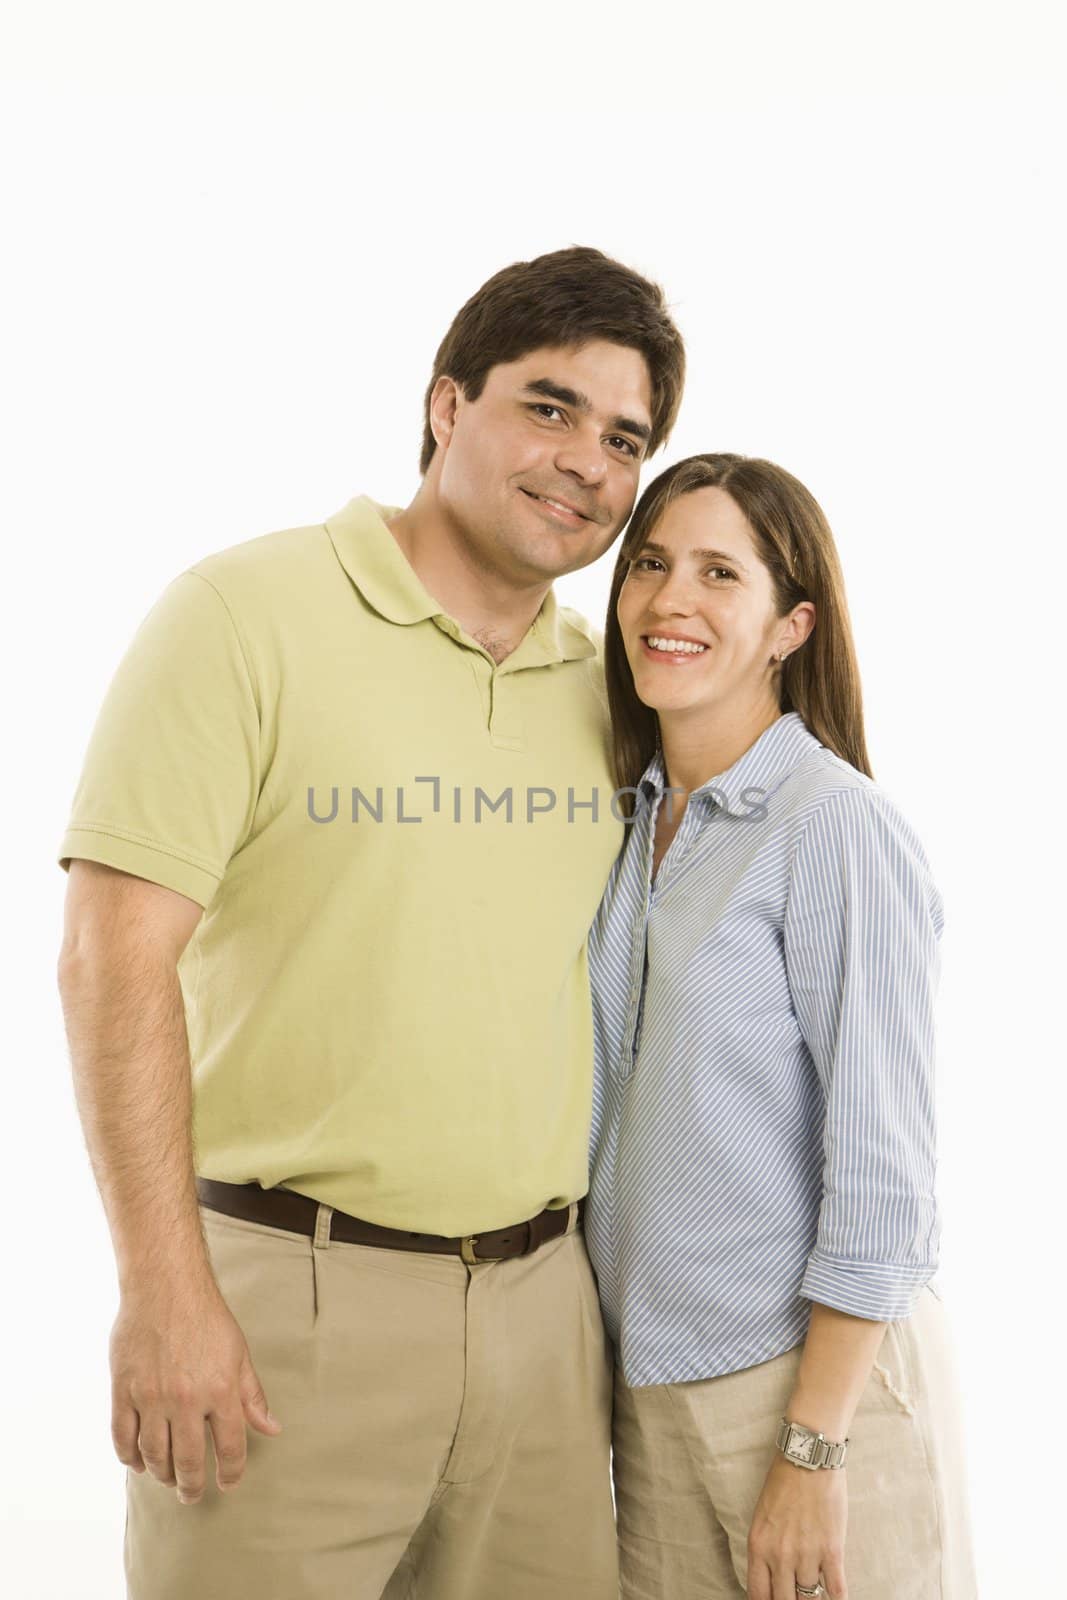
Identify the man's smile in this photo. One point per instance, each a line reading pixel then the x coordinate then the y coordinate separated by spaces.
pixel 561 509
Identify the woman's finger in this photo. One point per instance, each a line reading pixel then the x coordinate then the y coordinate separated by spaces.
pixel 807 1576
pixel 834 1577
pixel 759 1580
pixel 784 1581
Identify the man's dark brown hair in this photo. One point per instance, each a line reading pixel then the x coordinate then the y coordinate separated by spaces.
pixel 566 298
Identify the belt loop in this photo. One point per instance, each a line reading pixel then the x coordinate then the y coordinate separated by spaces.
pixel 572 1216
pixel 323 1218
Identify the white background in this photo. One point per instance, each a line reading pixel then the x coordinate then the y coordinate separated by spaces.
pixel 235 236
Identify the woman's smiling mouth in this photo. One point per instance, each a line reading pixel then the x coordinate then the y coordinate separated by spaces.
pixel 670 647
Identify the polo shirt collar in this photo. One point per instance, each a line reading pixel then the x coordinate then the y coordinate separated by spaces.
pixel 376 564
pixel 388 582
pixel 557 634
pixel 765 766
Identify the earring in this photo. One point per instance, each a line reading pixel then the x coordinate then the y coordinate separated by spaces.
pixel 780 657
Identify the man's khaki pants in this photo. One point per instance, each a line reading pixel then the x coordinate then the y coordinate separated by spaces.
pixel 445 1432
pixel 690 1460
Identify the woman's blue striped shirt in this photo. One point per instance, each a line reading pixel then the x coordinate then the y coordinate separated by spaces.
pixel 763 1119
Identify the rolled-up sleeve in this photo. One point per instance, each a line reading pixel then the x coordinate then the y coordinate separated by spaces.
pixel 862 924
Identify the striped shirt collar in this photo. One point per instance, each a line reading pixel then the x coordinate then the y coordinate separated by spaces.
pixel 765 766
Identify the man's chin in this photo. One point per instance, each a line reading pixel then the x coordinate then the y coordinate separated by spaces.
pixel 544 560
pixel 558 554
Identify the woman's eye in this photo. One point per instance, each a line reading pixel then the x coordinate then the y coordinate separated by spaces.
pixel 724 571
pixel 645 563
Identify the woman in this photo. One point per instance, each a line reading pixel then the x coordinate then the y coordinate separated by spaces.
pixel 761 1213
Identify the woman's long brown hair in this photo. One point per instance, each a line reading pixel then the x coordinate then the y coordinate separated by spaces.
pixel 820 680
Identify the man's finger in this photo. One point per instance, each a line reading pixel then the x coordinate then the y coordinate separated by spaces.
pixel 125 1426
pixel 254 1402
pixel 153 1441
pixel 188 1451
pixel 230 1440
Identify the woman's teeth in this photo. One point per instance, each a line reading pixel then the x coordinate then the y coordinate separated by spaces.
pixel 679 646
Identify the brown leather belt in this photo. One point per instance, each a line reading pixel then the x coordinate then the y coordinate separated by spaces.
pixel 285 1208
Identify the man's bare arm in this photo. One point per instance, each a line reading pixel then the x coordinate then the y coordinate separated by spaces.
pixel 178 1357
pixel 125 1020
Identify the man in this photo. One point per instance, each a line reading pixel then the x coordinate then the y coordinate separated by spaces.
pixel 342 826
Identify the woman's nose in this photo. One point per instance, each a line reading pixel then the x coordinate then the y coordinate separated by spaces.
pixel 674 594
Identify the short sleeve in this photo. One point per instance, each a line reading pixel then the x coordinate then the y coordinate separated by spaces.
pixel 170 779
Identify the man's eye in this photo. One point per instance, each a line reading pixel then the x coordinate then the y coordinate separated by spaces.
pixel 627 444
pixel 541 409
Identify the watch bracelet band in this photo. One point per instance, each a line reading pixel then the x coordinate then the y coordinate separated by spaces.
pixel 823 1453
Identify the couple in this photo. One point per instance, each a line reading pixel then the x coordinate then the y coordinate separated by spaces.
pixel 370 900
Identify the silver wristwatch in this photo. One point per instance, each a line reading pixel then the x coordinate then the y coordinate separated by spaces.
pixel 810 1450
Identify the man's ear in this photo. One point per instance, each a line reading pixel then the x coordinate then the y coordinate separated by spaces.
pixel 444 403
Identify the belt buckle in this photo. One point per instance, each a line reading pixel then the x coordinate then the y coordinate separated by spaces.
pixel 466 1250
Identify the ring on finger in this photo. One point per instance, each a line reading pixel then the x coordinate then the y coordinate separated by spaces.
pixel 812 1593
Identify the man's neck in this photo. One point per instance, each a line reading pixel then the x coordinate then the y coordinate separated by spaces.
pixel 492 610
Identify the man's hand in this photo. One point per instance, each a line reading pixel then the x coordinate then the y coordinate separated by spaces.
pixel 178 1360
pixel 798 1533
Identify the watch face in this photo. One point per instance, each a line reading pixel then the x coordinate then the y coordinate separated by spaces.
pixel 801 1445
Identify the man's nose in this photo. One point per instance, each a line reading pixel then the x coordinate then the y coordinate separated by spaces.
pixel 582 456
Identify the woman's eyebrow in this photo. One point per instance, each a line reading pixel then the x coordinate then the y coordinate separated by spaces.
pixel 703 555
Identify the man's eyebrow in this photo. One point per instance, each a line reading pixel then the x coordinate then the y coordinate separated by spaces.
pixel 703 555
pixel 581 402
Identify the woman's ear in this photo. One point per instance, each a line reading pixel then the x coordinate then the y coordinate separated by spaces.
pixel 799 626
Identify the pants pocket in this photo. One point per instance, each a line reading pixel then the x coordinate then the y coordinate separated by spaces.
pixel 588 1295
pixel 891 1381
pixel 268 1276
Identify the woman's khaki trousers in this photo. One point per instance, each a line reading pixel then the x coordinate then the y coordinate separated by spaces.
pixel 690 1460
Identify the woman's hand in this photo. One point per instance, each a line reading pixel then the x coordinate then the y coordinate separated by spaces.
pixel 798 1533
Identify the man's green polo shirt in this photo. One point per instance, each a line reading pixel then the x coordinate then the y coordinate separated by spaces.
pixel 393 839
